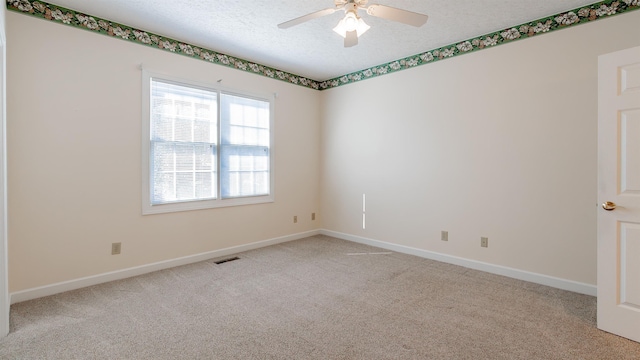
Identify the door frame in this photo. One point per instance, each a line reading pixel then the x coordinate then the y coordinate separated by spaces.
pixel 4 256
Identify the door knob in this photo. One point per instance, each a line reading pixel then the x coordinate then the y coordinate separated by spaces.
pixel 609 205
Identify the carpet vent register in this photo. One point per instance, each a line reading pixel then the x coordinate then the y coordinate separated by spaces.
pixel 227 260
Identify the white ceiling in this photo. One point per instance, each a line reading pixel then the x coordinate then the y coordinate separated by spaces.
pixel 248 29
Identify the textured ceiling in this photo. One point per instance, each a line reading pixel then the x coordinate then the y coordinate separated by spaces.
pixel 248 29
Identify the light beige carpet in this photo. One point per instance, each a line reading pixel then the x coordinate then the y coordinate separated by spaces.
pixel 317 298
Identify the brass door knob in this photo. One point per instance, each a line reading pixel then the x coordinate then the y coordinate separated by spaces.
pixel 609 205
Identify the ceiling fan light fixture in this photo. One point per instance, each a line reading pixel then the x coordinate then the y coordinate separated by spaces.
pixel 351 22
pixel 362 27
pixel 351 26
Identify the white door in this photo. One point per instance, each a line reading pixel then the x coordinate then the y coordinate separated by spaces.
pixel 619 193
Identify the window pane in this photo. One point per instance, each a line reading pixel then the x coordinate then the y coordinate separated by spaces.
pixel 246 163
pixel 204 157
pixel 246 183
pixel 262 182
pixel 261 163
pixel 245 170
pixel 245 142
pixel 164 189
pixel 235 113
pixel 175 166
pixel 205 185
pixel 204 111
pixel 162 127
pixel 184 107
pixel 236 135
pixel 185 186
pixel 250 136
pixel 204 131
pixel 183 130
pixel 183 143
pixel 242 120
pixel 177 111
pixel 162 105
pixel 250 116
pixel 263 137
pixel 162 155
pixel 184 157
pixel 263 118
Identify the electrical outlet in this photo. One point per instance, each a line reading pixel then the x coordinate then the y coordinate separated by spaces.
pixel 115 248
pixel 484 242
pixel 313 216
pixel 295 219
pixel 444 235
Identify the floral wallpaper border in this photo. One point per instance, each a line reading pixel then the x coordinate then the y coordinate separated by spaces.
pixel 563 20
pixel 76 19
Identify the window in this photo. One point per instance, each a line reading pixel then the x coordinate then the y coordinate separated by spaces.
pixel 204 147
pixel 183 139
pixel 244 146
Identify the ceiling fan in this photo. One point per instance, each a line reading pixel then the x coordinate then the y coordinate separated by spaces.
pixel 352 26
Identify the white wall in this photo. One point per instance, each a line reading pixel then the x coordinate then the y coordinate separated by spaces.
pixel 74 128
pixel 500 143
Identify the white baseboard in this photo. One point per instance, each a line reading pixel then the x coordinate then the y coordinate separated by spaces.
pixel 60 287
pixel 555 282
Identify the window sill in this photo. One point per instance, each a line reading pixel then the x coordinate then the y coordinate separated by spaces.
pixel 205 204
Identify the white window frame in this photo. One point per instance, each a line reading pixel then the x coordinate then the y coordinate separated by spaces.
pixel 147 206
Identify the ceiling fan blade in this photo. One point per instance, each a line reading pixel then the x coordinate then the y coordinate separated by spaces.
pixel 351 39
pixel 301 19
pixel 403 16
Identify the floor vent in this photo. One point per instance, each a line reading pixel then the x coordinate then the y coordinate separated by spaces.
pixel 227 260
